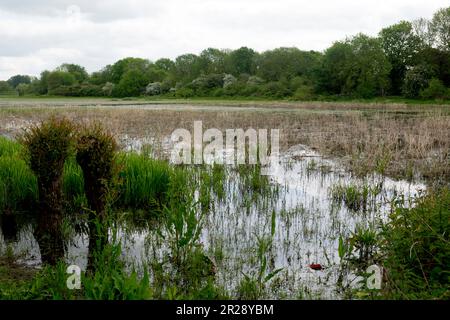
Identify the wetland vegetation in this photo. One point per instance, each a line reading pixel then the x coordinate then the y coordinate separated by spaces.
pixel 337 202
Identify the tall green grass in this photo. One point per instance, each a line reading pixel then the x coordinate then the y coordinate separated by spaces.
pixel 18 185
pixel 144 181
pixel 9 147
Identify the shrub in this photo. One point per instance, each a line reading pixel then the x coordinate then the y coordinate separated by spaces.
pixel 304 93
pixel 96 155
pixel 48 146
pixel 107 89
pixel 184 93
pixel 153 89
pixel 274 89
pixel 435 90
pixel 228 80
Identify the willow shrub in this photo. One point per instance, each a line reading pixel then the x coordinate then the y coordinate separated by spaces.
pixel 48 146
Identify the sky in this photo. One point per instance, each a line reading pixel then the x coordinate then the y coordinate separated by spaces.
pixel 36 35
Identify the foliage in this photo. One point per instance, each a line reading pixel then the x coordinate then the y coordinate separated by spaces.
pixel 416 79
pixel 435 90
pixel 416 247
pixel 48 146
pixel 440 27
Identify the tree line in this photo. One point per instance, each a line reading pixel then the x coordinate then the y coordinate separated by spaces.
pixel 409 59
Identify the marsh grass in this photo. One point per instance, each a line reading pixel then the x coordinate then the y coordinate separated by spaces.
pixel 355 197
pixel 18 185
pixel 396 139
pixel 145 181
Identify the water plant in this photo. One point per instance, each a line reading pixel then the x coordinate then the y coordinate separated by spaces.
pixel 355 197
pixel 144 183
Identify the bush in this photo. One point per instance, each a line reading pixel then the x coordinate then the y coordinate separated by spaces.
pixel 107 89
pixel 153 89
pixel 228 80
pixel 304 93
pixel 435 90
pixel 5 88
pixel 184 93
pixel 96 155
pixel 48 146
pixel 274 89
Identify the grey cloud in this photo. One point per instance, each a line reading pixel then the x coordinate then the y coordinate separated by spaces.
pixel 98 11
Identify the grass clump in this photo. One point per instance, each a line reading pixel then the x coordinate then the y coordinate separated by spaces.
pixel 18 185
pixel 356 198
pixel 145 181
pixel 9 147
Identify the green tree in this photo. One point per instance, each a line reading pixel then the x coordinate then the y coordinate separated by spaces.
pixel 187 68
pixel 5 88
pixel 242 61
pixel 56 79
pixel 357 66
pixel 416 79
pixel 121 67
pixel 22 88
pixel 435 90
pixel 287 63
pixel 440 27
pixel 401 45
pixel 212 61
pixel 131 84
pixel 77 71
pixel 438 61
pixel 14 81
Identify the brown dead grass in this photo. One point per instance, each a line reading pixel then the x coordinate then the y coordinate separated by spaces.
pixel 397 140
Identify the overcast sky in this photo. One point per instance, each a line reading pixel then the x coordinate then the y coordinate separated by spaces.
pixel 42 34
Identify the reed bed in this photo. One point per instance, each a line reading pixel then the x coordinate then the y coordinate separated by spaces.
pixel 400 141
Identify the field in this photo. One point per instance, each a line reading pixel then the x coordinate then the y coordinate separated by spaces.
pixel 319 219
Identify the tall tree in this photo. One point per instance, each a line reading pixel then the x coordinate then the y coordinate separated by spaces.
pixel 187 67
pixel 242 61
pixel 357 66
pixel 440 26
pixel 286 63
pixel 213 61
pixel 14 81
pixel 401 46
pixel 76 70
pixel 121 67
